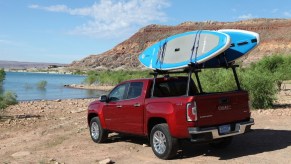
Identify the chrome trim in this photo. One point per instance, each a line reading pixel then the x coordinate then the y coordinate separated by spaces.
pixel 159 142
pixel 240 128
pixel 95 132
pixel 206 116
pixel 136 105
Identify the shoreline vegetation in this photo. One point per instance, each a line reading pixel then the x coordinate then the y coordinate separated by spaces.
pixel 7 98
pixel 263 79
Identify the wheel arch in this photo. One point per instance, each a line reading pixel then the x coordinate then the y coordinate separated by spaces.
pixel 154 121
pixel 90 116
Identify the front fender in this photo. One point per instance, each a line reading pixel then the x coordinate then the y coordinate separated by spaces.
pixel 95 109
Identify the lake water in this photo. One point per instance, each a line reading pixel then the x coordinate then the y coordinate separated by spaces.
pixel 24 84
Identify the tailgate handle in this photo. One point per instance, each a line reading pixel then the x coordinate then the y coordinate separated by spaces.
pixel 223 101
pixel 119 106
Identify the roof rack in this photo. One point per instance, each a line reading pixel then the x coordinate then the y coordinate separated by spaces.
pixel 191 67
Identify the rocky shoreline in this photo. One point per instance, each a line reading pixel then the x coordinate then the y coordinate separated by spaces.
pixel 93 86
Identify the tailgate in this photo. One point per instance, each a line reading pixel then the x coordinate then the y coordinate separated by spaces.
pixel 222 108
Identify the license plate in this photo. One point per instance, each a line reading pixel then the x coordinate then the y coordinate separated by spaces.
pixel 224 129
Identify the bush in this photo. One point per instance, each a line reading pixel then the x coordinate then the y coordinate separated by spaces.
pixel 261 86
pixel 42 84
pixel 217 80
pixel 2 76
pixel 113 77
pixel 262 79
pixel 278 65
pixel 91 78
pixel 9 98
pixel 79 72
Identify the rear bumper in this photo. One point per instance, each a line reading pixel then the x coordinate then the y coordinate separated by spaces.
pixel 206 134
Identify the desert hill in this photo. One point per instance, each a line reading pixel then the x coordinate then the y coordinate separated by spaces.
pixel 275 38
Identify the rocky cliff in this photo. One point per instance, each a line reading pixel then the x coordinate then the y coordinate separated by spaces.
pixel 275 38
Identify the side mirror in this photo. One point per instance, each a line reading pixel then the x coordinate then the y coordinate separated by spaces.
pixel 103 98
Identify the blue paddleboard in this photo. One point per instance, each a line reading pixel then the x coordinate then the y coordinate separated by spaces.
pixel 179 50
pixel 242 43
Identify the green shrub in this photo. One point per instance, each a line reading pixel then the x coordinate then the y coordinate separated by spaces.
pixel 261 86
pixel 91 78
pixel 278 65
pixel 262 79
pixel 41 84
pixel 79 72
pixel 217 80
pixel 113 77
pixel 8 98
pixel 2 76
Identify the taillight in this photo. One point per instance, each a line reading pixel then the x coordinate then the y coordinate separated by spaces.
pixel 192 111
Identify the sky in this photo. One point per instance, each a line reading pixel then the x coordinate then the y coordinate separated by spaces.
pixel 61 31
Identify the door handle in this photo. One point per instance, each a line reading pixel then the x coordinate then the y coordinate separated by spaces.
pixel 136 104
pixel 119 106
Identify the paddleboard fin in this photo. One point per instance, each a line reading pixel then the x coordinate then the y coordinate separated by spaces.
pixel 254 40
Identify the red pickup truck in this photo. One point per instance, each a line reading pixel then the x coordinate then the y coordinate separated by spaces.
pixel 166 109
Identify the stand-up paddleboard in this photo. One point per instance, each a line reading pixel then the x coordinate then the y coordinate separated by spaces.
pixel 242 42
pixel 179 50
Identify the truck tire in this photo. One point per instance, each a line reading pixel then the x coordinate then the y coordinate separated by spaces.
pixel 221 143
pixel 163 144
pixel 97 133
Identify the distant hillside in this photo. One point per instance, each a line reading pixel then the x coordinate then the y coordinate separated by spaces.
pixel 25 65
pixel 275 38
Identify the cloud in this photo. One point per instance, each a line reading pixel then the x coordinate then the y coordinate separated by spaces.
pixel 112 17
pixel 274 10
pixel 246 16
pixel 287 14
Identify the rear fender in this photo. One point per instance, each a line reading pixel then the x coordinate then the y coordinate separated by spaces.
pixel 160 110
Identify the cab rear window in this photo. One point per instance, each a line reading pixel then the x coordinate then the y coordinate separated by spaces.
pixel 173 88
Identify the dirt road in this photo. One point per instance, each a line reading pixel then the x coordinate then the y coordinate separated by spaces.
pixel 57 132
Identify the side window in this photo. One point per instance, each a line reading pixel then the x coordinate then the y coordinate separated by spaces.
pixel 135 90
pixel 118 93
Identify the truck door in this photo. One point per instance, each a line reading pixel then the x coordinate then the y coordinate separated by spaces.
pixel 113 109
pixel 124 111
pixel 132 110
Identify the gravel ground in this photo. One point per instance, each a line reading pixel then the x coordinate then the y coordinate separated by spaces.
pixel 57 132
